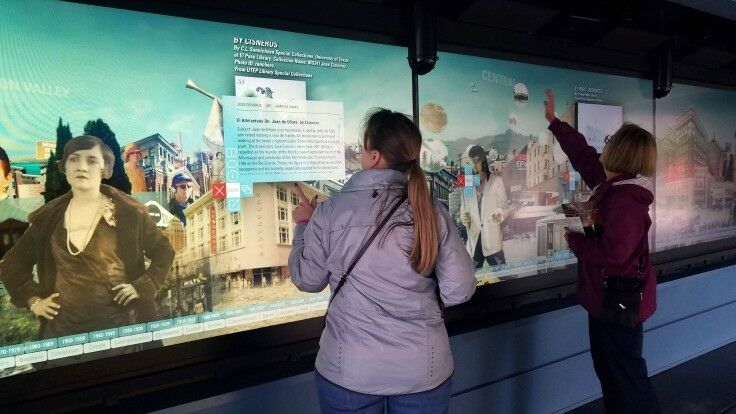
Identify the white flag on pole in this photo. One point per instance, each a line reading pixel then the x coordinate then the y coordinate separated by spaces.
pixel 213 131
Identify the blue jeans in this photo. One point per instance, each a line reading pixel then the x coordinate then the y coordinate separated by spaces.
pixel 336 399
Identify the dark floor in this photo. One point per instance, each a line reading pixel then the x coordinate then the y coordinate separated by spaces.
pixel 704 385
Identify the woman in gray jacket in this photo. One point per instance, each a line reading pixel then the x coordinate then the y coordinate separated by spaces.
pixel 385 342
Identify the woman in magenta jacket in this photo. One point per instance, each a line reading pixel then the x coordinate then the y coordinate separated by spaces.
pixel 623 190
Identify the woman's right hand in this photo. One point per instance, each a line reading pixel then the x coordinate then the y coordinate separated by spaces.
pixel 465 219
pixel 549 106
pixel 303 212
pixel 45 308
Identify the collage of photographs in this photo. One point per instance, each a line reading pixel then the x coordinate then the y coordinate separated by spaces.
pixel 111 206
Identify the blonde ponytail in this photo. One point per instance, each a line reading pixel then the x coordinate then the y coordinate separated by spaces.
pixel 426 230
pixel 399 141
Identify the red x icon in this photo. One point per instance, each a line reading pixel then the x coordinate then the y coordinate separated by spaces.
pixel 460 181
pixel 218 191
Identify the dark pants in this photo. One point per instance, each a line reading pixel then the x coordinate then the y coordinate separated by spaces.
pixel 336 399
pixel 497 258
pixel 622 371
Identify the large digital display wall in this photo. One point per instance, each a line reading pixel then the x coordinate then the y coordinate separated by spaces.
pixel 696 140
pixel 173 99
pixel 474 105
pixel 209 124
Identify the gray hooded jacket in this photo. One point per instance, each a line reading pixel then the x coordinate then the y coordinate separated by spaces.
pixel 384 334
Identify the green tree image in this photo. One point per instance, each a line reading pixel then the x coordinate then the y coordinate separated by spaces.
pixel 56 184
pixel 102 131
pixel 54 179
pixel 16 325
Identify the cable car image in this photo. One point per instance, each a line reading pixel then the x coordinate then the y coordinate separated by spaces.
pixel 551 235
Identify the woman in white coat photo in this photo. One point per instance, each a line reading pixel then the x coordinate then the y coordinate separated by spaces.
pixel 483 211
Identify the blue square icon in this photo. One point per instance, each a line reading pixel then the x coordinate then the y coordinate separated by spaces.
pixel 469 182
pixel 476 180
pixel 246 190
pixel 468 191
pixel 233 205
pixel 468 169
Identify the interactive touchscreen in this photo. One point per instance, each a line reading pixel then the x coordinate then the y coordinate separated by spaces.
pixel 696 134
pixel 483 122
pixel 199 128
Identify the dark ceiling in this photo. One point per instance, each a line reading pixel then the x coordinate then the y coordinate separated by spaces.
pixel 627 29
pixel 621 35
pixel 633 27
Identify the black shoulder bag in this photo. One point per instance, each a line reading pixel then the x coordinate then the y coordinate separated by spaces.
pixel 622 297
pixel 362 250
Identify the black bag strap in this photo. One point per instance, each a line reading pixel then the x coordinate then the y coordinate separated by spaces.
pixel 363 248
pixel 639 269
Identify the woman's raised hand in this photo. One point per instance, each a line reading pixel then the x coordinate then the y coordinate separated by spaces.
pixel 549 106
pixel 303 212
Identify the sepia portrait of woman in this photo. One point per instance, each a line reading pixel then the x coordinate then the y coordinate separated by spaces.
pixel 88 247
pixel 6 174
